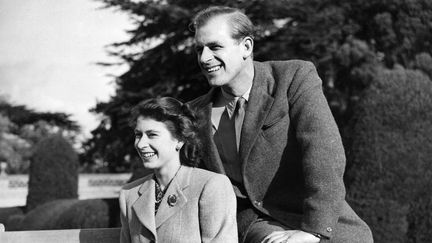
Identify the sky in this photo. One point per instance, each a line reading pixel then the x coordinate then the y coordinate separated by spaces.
pixel 48 55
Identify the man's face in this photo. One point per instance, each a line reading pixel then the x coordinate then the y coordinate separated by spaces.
pixel 220 57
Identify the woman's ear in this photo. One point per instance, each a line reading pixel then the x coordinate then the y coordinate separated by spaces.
pixel 247 44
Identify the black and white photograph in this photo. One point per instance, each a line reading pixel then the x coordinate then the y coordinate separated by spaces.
pixel 260 121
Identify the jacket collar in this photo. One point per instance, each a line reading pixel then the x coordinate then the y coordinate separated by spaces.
pixel 144 206
pixel 258 107
pixel 211 157
pixel 259 104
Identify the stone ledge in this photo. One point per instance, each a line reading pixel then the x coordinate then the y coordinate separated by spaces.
pixel 106 235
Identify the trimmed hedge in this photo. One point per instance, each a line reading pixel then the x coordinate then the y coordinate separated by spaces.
pixel 10 212
pixel 47 215
pixel 53 172
pixel 5 213
pixel 390 157
pixel 91 213
pixel 72 214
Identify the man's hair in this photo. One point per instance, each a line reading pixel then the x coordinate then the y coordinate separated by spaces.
pixel 241 25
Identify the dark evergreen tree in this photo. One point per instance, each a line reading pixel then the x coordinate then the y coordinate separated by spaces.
pixel 391 156
pixel 347 40
pixel 53 172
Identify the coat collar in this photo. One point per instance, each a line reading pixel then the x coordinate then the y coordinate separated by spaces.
pixel 258 107
pixel 211 157
pixel 144 206
pixel 259 104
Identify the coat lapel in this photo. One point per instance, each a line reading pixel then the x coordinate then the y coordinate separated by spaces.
pixel 211 156
pixel 256 111
pixel 176 189
pixel 144 206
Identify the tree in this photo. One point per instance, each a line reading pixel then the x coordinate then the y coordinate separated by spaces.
pixel 390 175
pixel 347 41
pixel 21 128
pixel 53 172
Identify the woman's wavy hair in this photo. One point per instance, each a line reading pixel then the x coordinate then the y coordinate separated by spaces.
pixel 179 119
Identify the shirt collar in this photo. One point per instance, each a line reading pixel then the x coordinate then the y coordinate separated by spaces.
pixel 231 100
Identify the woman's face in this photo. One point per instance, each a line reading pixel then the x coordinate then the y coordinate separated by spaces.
pixel 156 145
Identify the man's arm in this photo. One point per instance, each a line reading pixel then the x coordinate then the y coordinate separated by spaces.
pixel 323 156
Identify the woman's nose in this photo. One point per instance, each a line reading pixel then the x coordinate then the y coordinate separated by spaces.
pixel 141 143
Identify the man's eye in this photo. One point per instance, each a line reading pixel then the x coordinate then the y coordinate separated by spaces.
pixel 198 49
pixel 214 48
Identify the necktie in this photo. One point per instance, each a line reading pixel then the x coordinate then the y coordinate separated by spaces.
pixel 238 119
pixel 227 139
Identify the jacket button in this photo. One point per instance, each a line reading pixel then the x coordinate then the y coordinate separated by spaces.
pixel 329 229
pixel 257 203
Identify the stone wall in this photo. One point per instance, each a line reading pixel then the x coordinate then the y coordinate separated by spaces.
pixel 13 188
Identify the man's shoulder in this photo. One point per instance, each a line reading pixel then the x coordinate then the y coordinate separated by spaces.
pixel 202 100
pixel 197 101
pixel 285 65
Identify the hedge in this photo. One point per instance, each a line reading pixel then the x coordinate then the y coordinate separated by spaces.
pixel 53 172
pixel 71 214
pixel 390 156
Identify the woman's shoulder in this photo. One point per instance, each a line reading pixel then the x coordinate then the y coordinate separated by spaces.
pixel 206 176
pixel 136 183
pixel 204 172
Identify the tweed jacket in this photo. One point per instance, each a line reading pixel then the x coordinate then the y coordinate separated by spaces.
pixel 204 209
pixel 291 152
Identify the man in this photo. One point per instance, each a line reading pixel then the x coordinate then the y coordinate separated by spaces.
pixel 269 128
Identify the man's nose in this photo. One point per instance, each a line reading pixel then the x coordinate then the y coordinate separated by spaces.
pixel 206 55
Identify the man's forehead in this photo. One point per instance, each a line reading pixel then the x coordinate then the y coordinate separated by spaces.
pixel 215 30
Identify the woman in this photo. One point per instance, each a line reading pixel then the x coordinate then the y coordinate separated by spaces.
pixel 178 202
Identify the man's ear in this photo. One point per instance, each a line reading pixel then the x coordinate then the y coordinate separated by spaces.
pixel 247 44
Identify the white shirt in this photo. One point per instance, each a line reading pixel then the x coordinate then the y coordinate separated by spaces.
pixel 225 101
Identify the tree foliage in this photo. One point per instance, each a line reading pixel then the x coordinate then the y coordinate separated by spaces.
pixel 347 41
pixel 21 128
pixel 53 172
pixel 391 156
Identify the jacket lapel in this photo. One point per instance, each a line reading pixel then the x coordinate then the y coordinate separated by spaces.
pixel 175 189
pixel 211 156
pixel 260 102
pixel 144 206
pixel 256 110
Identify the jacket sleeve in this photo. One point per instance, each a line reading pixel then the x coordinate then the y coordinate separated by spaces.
pixel 323 156
pixel 217 211
pixel 124 231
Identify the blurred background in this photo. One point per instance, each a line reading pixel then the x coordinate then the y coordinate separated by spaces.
pixel 71 70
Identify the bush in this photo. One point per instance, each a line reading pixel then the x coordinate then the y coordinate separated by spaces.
pixel 92 213
pixel 47 215
pixel 53 172
pixel 13 222
pixel 420 219
pixel 5 213
pixel 390 154
pixel 73 214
